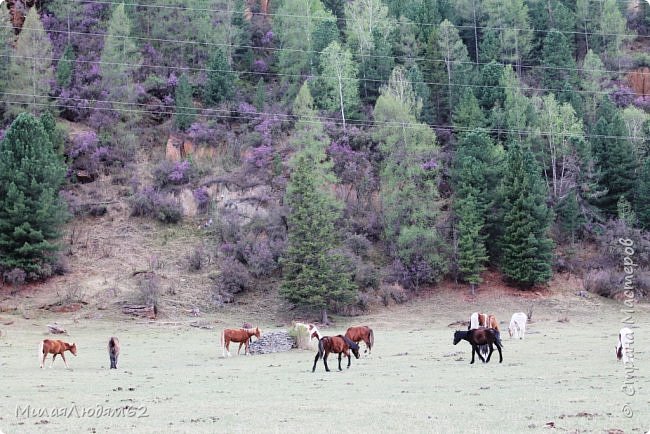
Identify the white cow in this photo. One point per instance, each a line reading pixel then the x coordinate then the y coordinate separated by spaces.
pixel 623 350
pixel 518 325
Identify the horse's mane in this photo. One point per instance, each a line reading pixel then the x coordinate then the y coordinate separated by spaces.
pixel 350 342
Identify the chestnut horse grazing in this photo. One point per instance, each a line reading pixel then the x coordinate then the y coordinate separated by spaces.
pixel 477 337
pixel 238 335
pixel 49 346
pixel 335 344
pixel 361 333
pixel 113 351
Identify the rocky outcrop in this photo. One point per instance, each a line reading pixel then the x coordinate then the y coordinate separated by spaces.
pixel 639 80
pixel 18 11
pixel 272 342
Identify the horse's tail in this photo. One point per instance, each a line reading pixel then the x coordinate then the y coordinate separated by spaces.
pixel 40 352
pixel 223 342
pixel 321 348
pixel 372 339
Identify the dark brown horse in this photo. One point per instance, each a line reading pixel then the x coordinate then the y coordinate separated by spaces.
pixel 56 347
pixel 478 337
pixel 361 333
pixel 238 335
pixel 113 351
pixel 335 344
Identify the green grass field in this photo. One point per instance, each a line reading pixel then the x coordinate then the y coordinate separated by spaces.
pixel 563 373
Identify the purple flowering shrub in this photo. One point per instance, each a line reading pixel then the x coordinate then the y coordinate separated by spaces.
pixel 85 152
pixel 168 173
pixel 202 198
pixel 623 96
pixel 151 203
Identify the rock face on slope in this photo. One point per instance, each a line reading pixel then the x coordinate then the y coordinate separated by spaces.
pixel 272 342
pixel 18 10
pixel 640 81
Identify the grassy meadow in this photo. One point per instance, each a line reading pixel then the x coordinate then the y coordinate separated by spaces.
pixel 173 378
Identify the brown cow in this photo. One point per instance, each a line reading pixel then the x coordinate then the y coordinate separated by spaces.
pixel 49 346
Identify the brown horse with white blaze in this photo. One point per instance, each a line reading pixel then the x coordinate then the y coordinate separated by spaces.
pixel 238 335
pixel 56 347
pixel 361 333
pixel 335 344
pixel 113 351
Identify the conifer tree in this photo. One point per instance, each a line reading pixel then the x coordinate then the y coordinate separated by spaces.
pixel 31 212
pixel 6 39
pixel 65 67
pixel 120 58
pixel 643 196
pixel 220 81
pixel 527 249
pixel 467 114
pixel 558 62
pixel 614 156
pixel 569 217
pixel 31 72
pixel 313 275
pixel 185 112
pixel 470 213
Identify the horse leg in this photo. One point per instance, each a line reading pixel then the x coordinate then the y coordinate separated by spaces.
pixel 44 355
pixel 53 357
pixel 316 361
pixel 473 354
pixel 239 349
pixel 64 361
pixel 325 361
pixel 500 355
pixel 340 355
pixel 490 353
pixel 349 358
pixel 478 351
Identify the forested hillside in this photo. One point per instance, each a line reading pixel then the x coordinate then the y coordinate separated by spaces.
pixel 338 151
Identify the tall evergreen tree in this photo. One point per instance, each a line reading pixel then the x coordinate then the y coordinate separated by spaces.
pixel 467 114
pixel 31 73
pixel 31 212
pixel 65 68
pixel 309 137
pixel 642 205
pixel 312 273
pixel 510 20
pixel 557 60
pixel 219 85
pixel 472 254
pixel 120 58
pixel 6 40
pixel 409 192
pixel 295 23
pixel 527 249
pixel 592 75
pixel 456 63
pixel 614 156
pixel 185 113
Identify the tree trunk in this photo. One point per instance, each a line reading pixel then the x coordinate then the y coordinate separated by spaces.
pixel 324 319
pixel 146 311
pixel 473 287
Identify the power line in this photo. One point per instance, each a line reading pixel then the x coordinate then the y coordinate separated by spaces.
pixel 316 119
pixel 316 76
pixel 314 17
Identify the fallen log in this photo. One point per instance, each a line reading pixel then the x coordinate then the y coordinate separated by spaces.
pixel 140 310
pixel 56 329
